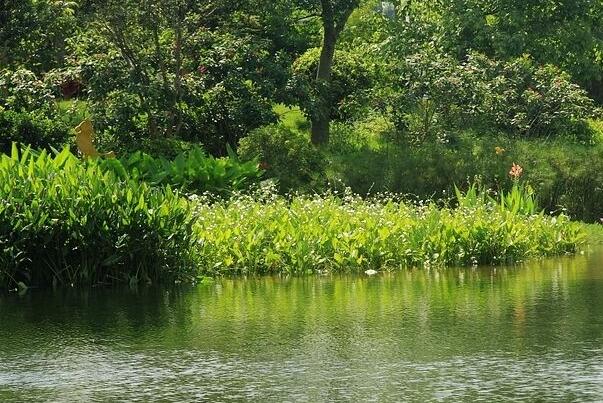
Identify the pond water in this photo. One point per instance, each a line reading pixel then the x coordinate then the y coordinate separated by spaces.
pixel 533 332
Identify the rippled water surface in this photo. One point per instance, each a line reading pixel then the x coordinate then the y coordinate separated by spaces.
pixel 524 333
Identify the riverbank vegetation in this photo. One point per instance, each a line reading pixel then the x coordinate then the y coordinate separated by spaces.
pixel 66 221
pixel 203 102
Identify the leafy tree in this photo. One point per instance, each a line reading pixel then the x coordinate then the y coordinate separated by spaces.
pixel 33 32
pixel 519 97
pixel 567 33
pixel 204 71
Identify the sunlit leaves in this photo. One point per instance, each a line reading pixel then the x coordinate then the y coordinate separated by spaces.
pixel 65 221
pixel 332 233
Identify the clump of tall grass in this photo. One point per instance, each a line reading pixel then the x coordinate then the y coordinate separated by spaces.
pixel 519 200
pixel 330 233
pixel 64 221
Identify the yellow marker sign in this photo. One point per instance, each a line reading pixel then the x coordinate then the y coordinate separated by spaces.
pixel 84 138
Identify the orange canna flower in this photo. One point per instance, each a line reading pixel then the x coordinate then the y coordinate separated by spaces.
pixel 516 171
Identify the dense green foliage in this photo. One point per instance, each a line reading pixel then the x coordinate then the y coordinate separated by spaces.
pixel 66 222
pixel 370 158
pixel 565 177
pixel 23 90
pixel 209 73
pixel 201 71
pixel 286 155
pixel 411 97
pixel 192 171
pixel 328 233
pixel 439 96
pixel 567 33
pixel 34 32
pixel 31 128
pixel 352 77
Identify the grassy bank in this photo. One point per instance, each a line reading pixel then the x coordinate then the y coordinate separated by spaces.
pixel 371 157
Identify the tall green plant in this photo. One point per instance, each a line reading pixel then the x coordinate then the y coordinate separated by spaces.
pixel 64 221
pixel 519 200
pixel 330 233
pixel 191 171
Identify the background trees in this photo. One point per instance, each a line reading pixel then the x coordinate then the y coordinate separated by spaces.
pixel 33 32
pixel 203 72
pixel 211 72
pixel 567 33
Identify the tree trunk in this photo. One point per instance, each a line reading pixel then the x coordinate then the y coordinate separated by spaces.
pixel 321 120
pixel 332 26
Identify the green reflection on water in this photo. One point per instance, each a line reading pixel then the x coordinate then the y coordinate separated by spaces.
pixel 398 321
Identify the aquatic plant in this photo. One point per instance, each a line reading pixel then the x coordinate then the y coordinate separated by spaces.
pixel 192 171
pixel 67 221
pixel 333 233
pixel 520 199
pixel 64 221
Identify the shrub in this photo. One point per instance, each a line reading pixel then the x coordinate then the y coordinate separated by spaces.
pixel 31 128
pixel 565 176
pixel 22 90
pixel 121 121
pixel 63 221
pixel 168 148
pixel 534 101
pixel 439 95
pixel 229 111
pixel 29 113
pixel 286 155
pixel 192 171
pixel 218 116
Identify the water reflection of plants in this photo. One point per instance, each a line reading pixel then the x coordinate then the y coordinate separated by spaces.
pixel 459 308
pixel 547 304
